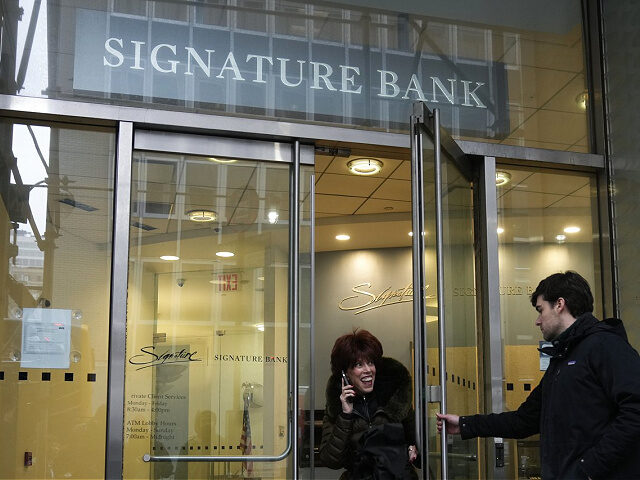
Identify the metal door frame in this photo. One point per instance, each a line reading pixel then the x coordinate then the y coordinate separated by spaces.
pixel 128 140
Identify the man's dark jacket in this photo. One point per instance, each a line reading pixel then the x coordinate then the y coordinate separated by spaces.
pixel 586 408
pixel 389 403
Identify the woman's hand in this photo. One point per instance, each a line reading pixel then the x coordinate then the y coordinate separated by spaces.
pixel 452 421
pixel 413 453
pixel 346 397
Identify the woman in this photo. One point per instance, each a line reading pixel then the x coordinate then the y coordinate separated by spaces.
pixel 375 391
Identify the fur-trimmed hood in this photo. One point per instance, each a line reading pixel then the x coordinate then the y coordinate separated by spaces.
pixel 392 388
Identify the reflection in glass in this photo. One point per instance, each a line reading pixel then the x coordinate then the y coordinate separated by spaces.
pixel 207 336
pixel 517 80
pixel 56 188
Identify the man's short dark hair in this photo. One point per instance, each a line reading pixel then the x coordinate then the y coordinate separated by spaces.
pixel 569 285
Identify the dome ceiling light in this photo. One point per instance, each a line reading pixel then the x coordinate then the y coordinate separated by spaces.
pixel 365 166
pixel 201 215
pixel 502 178
pixel 272 217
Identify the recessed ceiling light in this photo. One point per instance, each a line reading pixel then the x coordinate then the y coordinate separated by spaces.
pixel 342 237
pixel 272 216
pixel 581 100
pixel 561 237
pixel 225 254
pixel 502 178
pixel 222 160
pixel 411 234
pixel 169 258
pixel 201 215
pixel 365 166
pixel 500 230
pixel 572 229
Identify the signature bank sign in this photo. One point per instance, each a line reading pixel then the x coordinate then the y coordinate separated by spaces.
pixel 198 65
pixel 150 356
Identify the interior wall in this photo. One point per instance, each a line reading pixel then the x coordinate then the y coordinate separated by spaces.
pixel 522 266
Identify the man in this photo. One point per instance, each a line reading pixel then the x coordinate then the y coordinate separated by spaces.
pixel 587 406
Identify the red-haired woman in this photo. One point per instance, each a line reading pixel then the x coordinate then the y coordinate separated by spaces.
pixel 373 393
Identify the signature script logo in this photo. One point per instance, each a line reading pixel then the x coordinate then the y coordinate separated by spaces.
pixel 365 300
pixel 148 357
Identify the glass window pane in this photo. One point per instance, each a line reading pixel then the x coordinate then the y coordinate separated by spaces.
pixel 207 335
pixel 251 15
pixel 459 289
pixel 305 388
pixel 547 223
pixel 56 187
pixel 514 80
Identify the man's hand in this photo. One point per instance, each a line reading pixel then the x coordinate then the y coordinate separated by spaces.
pixel 413 453
pixel 452 422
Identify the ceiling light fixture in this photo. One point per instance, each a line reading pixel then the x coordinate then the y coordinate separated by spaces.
pixel 260 327
pixel 500 230
pixel 169 258
pixel 225 254
pixel 411 234
pixel 222 160
pixel 561 238
pixel 582 99
pixel 342 237
pixel 365 166
pixel 572 229
pixel 201 215
pixel 502 178
pixel 272 216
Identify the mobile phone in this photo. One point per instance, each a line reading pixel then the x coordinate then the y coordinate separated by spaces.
pixel 346 381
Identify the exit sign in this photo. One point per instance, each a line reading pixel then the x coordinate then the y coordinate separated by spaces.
pixel 227 282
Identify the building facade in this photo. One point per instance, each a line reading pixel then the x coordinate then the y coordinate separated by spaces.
pixel 199 197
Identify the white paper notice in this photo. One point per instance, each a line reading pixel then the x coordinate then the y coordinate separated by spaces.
pixel 544 358
pixel 46 338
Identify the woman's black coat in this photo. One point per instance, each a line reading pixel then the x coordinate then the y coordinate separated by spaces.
pixel 341 433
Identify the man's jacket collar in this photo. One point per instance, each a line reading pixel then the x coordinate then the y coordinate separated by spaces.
pixel 585 325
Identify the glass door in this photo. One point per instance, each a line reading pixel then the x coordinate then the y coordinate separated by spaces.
pixel 446 367
pixel 211 337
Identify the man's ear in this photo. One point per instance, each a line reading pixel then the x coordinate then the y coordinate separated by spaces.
pixel 561 304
